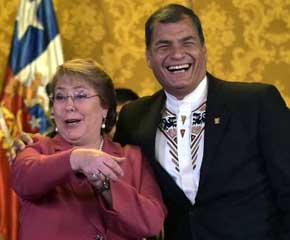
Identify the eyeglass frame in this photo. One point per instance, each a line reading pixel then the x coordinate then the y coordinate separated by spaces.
pixel 77 98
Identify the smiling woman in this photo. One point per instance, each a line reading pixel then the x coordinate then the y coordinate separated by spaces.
pixel 79 109
pixel 84 184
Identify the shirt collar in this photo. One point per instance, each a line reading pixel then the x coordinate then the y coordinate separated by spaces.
pixel 192 100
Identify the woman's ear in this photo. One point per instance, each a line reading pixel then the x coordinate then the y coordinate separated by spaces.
pixel 105 112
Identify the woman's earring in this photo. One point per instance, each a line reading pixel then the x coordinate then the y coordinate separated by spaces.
pixel 103 123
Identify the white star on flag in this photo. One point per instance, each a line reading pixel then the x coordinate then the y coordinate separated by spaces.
pixel 34 122
pixel 27 16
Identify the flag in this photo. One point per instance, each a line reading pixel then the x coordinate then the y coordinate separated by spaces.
pixel 34 56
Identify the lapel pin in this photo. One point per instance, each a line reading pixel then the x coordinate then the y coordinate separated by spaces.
pixel 217 120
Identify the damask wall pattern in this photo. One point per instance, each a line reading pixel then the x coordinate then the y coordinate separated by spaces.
pixel 247 40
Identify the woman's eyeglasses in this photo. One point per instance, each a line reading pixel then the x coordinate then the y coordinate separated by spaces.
pixel 76 98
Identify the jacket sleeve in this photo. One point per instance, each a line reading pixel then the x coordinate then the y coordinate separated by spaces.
pixel 34 173
pixel 138 209
pixel 274 138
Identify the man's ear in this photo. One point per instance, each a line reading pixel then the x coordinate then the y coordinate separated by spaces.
pixel 148 58
pixel 204 49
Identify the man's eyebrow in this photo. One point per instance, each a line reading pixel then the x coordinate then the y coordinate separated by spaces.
pixel 160 42
pixel 188 38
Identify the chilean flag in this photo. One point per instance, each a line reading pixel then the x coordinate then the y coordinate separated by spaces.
pixel 35 54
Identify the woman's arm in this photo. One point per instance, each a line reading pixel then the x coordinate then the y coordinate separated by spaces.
pixel 137 207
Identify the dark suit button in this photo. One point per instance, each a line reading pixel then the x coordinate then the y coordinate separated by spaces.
pixel 100 237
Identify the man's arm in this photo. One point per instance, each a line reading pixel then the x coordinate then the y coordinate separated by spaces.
pixel 274 137
pixel 19 144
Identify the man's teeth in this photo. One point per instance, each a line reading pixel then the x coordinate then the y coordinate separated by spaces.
pixel 179 68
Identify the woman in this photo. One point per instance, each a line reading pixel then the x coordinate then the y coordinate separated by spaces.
pixel 79 184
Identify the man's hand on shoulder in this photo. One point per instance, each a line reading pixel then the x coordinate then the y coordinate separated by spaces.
pixel 19 144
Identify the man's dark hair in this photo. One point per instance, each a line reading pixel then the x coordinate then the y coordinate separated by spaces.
pixel 171 13
pixel 125 94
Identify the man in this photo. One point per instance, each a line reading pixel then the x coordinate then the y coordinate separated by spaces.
pixel 220 150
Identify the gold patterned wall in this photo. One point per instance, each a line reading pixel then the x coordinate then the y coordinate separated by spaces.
pixel 247 40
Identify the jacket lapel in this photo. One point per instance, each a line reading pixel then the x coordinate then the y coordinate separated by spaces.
pixel 217 117
pixel 149 125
